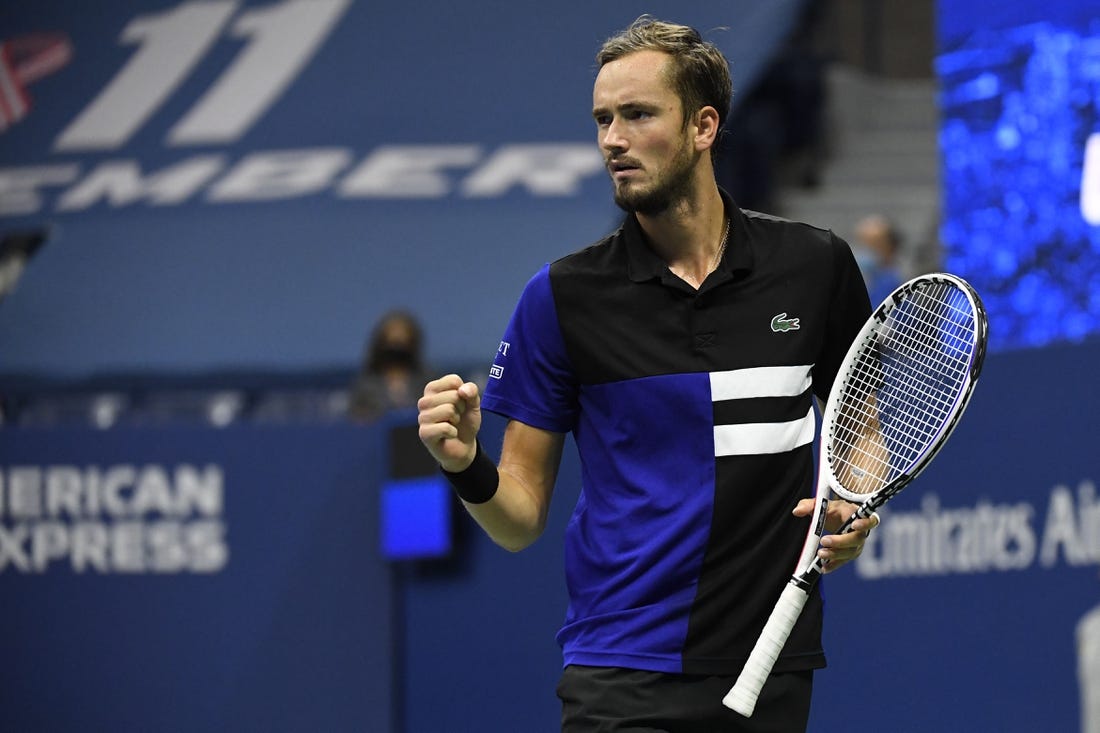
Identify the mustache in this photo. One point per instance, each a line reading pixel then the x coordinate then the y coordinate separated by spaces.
pixel 619 162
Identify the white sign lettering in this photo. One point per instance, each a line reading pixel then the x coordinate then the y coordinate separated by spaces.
pixel 115 519
pixel 282 38
pixel 1090 181
pixel 987 537
pixel 409 172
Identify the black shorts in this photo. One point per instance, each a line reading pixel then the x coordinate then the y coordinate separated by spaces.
pixel 600 699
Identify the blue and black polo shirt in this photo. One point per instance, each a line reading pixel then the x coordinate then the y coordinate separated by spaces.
pixel 692 412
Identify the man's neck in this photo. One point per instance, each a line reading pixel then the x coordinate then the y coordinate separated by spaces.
pixel 688 235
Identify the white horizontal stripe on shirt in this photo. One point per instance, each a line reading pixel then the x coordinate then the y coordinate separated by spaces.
pixel 777 381
pixel 760 438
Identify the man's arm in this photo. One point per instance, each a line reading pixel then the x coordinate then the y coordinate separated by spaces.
pixel 515 514
pixel 529 459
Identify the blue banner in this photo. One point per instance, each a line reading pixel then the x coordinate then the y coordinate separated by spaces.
pixel 186 580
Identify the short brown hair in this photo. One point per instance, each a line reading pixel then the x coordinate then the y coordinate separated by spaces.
pixel 700 72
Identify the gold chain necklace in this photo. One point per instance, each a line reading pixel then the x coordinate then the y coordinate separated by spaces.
pixel 722 246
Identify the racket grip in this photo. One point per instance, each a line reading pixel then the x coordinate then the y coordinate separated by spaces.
pixel 742 696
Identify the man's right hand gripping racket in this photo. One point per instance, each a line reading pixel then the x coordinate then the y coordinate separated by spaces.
pixel 899 393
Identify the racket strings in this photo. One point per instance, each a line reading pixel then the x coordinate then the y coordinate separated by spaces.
pixel 903 387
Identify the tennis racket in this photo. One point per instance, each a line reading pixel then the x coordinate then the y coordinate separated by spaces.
pixel 898 394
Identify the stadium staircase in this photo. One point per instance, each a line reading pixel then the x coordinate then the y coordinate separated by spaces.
pixel 881 158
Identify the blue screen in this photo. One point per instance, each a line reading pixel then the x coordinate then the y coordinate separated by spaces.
pixel 416 518
pixel 1020 138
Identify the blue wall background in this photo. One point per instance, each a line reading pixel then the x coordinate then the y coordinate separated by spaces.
pixel 308 626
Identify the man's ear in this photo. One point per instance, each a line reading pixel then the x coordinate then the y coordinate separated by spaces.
pixel 706 128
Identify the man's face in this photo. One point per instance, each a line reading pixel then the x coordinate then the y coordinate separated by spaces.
pixel 639 118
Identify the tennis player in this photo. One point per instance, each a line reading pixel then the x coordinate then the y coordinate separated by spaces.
pixel 683 352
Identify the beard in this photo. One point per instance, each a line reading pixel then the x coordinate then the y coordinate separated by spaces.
pixel 673 186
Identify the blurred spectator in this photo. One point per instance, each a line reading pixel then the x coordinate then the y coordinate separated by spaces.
pixel 876 249
pixel 393 373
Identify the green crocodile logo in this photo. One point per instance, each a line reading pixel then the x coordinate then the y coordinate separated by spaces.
pixel 782 324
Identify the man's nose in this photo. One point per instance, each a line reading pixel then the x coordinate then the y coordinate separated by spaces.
pixel 613 140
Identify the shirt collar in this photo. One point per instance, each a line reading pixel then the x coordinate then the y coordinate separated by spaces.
pixel 643 263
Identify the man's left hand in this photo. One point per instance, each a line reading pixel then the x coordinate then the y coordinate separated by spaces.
pixel 839 549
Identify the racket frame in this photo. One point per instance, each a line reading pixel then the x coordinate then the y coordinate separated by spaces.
pixel 876 499
pixel 743 695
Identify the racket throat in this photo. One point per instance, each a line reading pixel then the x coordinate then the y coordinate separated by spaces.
pixel 807 580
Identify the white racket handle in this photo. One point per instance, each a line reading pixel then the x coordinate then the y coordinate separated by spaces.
pixel 742 696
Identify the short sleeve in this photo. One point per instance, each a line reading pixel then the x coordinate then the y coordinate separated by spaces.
pixel 849 309
pixel 531 379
